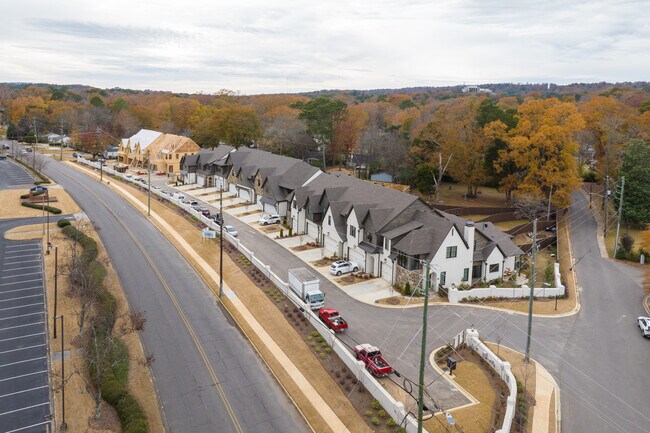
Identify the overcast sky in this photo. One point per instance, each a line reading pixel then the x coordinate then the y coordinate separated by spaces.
pixel 272 46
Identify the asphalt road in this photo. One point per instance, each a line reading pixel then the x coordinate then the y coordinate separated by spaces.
pixel 13 175
pixel 209 378
pixel 597 356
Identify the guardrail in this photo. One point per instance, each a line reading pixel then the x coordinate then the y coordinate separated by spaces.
pixel 393 407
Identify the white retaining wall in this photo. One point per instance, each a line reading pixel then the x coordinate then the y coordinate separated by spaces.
pixel 456 295
pixel 393 407
pixel 503 369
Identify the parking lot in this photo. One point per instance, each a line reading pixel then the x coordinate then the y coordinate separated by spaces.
pixel 13 175
pixel 24 387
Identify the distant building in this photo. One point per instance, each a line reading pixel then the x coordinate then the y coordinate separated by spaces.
pixel 475 89
pixel 111 152
pixel 382 177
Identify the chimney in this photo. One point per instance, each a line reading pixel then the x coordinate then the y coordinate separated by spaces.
pixel 468 234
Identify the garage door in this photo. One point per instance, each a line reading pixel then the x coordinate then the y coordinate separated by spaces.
pixel 358 257
pixel 269 208
pixel 312 230
pixel 331 245
pixel 200 180
pixel 244 194
pixel 387 270
pixel 218 182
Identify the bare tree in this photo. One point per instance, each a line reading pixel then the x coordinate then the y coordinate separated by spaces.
pixel 530 207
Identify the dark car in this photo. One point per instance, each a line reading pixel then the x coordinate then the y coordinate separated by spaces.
pixel 217 218
pixel 205 211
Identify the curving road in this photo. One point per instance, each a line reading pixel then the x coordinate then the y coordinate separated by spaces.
pixel 208 376
pixel 597 356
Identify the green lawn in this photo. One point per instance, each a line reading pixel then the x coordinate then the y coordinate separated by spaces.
pixel 454 194
pixel 611 238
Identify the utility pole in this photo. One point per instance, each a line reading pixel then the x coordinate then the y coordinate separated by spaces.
pixel 605 198
pixel 591 188
pixel 56 279
pixel 423 348
pixel 61 150
pixel 548 212
pixel 620 211
pixel 101 160
pixel 532 290
pixel 34 144
pixel 221 240
pixel 47 198
pixel 64 425
pixel 149 182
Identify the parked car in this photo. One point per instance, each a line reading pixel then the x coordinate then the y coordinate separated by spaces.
pixel 3 156
pixel 28 149
pixel 204 211
pixel 194 205
pixel 231 230
pixel 270 219
pixel 160 173
pixel 343 267
pixel 375 362
pixel 75 155
pixel 5 146
pixel 128 175
pixel 217 218
pixel 332 319
pixel 23 152
pixel 551 229
pixel 178 196
pixel 644 324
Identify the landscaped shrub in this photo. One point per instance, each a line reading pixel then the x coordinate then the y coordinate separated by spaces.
pixel 549 274
pixel 63 222
pixel 34 194
pixel 50 209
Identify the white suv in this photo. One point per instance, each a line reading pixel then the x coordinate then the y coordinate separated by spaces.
pixel 343 267
pixel 644 324
pixel 270 219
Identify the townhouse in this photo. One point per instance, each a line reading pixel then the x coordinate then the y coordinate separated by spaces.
pixel 388 233
pixel 164 151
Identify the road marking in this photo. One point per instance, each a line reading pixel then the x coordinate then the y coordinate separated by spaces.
pixel 21 245
pixel 21 274
pixel 23 375
pixel 25 408
pixel 22 348
pixel 21 306
pixel 29 426
pixel 24 267
pixel 24 390
pixel 21 282
pixel 22 315
pixel 21 362
pixel 22 297
pixel 621 318
pixel 23 336
pixel 35 251
pixel 20 326
pixel 19 290
pixel 188 326
pixel 20 262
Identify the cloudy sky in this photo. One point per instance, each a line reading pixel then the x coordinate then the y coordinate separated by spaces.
pixel 271 46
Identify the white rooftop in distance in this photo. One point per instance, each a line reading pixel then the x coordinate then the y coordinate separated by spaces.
pixel 145 137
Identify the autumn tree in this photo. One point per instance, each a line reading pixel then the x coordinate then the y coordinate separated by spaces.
pixel 347 132
pixel 541 147
pixel 611 124
pixel 322 115
pixel 287 135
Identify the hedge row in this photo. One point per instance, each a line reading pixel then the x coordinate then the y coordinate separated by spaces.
pixel 35 194
pixel 63 222
pixel 50 209
pixel 114 386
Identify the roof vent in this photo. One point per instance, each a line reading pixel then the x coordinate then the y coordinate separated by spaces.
pixel 485 225
pixel 469 223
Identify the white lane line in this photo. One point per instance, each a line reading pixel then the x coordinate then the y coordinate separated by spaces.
pixel 22 315
pixel 10 253
pixel 16 256
pixel 24 390
pixel 22 348
pixel 21 306
pixel 21 245
pixel 19 290
pixel 20 262
pixel 23 336
pixel 20 326
pixel 22 274
pixel 24 267
pixel 22 362
pixel 23 375
pixel 22 297
pixel 25 408
pixel 20 282
pixel 29 426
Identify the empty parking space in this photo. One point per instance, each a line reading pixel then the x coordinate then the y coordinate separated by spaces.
pixel 24 384
pixel 13 175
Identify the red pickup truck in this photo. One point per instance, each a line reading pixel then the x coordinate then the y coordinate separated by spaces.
pixel 371 356
pixel 332 319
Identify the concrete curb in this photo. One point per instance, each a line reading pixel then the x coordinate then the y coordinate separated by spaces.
pixel 448 378
pixel 646 303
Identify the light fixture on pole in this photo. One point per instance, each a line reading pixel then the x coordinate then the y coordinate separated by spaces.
pixel 221 241
pixel 64 425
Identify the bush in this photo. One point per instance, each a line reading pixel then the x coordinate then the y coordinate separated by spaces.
pixel 549 274
pixel 281 233
pixel 407 289
pixel 391 423
pixel 382 413
pixel 375 420
pixel 50 209
pixel 35 194
pixel 112 391
pixel 290 231
pixel 63 222
pixel 627 242
pixel 376 405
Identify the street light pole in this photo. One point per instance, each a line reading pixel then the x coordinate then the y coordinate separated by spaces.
pixel 532 291
pixel 620 211
pixel 47 198
pixel 149 182
pixel 221 241
pixel 56 285
pixel 64 425
pixel 423 348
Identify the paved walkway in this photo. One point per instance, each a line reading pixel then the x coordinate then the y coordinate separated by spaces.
pixel 545 389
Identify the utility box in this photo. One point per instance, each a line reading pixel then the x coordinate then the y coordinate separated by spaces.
pixel 451 364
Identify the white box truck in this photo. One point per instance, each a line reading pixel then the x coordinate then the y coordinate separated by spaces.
pixel 307 286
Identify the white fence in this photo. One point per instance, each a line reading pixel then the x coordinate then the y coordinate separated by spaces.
pixel 456 295
pixel 503 370
pixel 393 407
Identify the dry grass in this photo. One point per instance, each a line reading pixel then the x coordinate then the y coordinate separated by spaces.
pixel 79 401
pixel 507 225
pixel 475 418
pixel 610 239
pixel 271 319
pixel 11 207
pixel 454 194
pixel 304 247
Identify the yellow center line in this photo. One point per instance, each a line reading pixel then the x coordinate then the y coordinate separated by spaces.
pixel 215 379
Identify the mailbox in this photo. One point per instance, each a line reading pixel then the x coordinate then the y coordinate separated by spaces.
pixel 451 364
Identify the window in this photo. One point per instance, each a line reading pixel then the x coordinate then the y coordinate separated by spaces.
pixel 452 252
pixel 353 231
pixel 329 220
pixel 466 274
pixel 386 244
pixel 494 268
pixel 402 260
pixel 443 278
pixel 293 204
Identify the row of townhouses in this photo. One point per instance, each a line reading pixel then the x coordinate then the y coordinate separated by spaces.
pixel 390 234
pixel 164 151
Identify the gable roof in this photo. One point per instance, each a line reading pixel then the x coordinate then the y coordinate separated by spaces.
pixel 143 137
